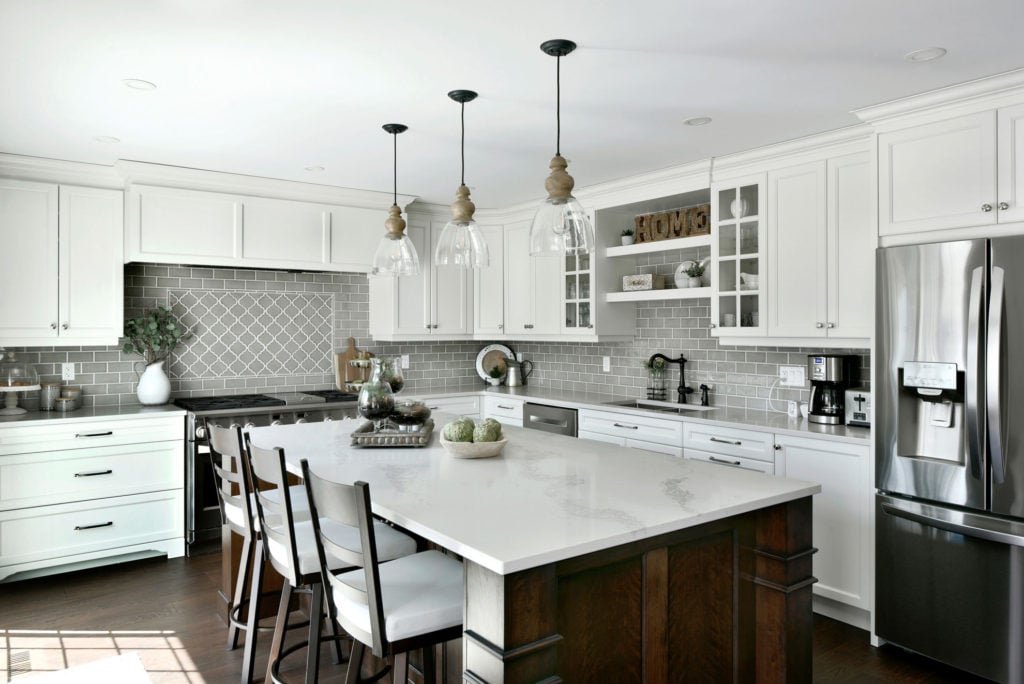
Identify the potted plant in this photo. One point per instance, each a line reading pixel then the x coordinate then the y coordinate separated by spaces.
pixel 495 374
pixel 694 273
pixel 626 236
pixel 153 336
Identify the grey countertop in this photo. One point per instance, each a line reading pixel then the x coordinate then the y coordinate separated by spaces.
pixel 93 413
pixel 762 420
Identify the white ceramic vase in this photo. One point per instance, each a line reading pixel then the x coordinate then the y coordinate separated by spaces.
pixel 154 387
pixel 693 281
pixel 626 240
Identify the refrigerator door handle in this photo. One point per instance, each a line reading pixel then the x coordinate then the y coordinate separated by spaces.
pixel 967 524
pixel 994 376
pixel 975 448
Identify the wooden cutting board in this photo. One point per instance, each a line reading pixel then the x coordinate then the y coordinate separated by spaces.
pixel 344 372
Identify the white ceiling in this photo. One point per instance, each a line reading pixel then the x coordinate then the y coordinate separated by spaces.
pixel 268 88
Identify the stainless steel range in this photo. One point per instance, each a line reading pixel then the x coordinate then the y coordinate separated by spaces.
pixel 202 514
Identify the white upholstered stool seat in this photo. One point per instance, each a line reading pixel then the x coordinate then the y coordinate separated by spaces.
pixel 390 544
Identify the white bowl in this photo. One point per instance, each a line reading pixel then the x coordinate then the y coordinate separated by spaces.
pixel 473 449
pixel 749 280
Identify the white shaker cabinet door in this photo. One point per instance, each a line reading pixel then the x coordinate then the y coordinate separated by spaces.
pixel 91 265
pixel 937 176
pixel 28 260
pixel 1011 164
pixel 411 307
pixel 519 293
pixel 452 298
pixel 489 291
pixel 168 225
pixel 797 296
pixel 547 294
pixel 355 234
pixel 280 232
pixel 851 247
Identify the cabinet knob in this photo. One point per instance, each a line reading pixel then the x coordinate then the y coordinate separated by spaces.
pixel 830 326
pixel 1003 206
pixel 428 326
pixel 713 325
pixel 528 326
pixel 501 326
pixel 64 326
pixel 591 326
pixel 53 326
pixel 778 447
pixel 436 326
pixel 818 325
pixel 986 207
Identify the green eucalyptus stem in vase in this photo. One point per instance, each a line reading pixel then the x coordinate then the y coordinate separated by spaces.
pixel 154 335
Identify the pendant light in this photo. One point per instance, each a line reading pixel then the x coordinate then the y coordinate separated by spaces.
pixel 561 225
pixel 396 255
pixel 461 243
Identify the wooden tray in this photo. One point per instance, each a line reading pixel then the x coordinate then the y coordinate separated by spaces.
pixel 366 436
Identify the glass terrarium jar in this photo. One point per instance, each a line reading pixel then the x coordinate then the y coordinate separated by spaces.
pixel 15 377
pixel 376 400
pixel 391 373
pixel 657 381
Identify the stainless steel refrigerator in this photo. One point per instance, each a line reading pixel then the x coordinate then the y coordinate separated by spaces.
pixel 950 453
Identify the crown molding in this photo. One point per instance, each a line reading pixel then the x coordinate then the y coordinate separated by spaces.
pixel 144 173
pixel 982 92
pixel 59 171
pixel 785 153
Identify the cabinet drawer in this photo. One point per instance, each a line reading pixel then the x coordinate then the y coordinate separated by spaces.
pixel 77 474
pixel 63 531
pixel 460 406
pixel 729 441
pixel 504 410
pixel 81 434
pixel 671 450
pixel 730 461
pixel 644 428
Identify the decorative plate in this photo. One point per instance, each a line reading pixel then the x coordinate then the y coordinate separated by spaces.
pixel 490 356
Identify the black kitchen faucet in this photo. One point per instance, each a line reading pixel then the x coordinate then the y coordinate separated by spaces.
pixel 682 390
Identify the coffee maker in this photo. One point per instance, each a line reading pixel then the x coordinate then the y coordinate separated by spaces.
pixel 831 376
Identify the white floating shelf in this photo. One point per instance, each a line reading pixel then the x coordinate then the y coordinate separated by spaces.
pixel 659 246
pixel 653 295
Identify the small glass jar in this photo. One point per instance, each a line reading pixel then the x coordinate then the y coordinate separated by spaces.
pixel 391 373
pixel 376 400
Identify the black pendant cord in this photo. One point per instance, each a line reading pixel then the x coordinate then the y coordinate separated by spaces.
pixel 462 145
pixel 558 106
pixel 394 167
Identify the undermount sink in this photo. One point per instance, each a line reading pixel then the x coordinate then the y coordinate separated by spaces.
pixel 659 406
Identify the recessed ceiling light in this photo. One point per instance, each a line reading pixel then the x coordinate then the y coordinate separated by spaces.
pixel 925 54
pixel 314 168
pixel 139 84
pixel 108 139
pixel 698 121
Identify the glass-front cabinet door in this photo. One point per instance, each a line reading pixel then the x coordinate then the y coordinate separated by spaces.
pixel 737 249
pixel 577 281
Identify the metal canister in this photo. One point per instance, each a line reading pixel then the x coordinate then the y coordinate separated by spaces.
pixel 49 392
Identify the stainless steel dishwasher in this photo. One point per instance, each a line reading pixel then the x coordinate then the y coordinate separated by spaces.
pixel 556 419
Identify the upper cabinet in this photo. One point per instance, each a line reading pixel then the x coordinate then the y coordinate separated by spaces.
pixel 820 266
pixel 532 301
pixel 738 238
pixel 489 286
pixel 436 304
pixel 174 225
pixel 1010 125
pixel 61 266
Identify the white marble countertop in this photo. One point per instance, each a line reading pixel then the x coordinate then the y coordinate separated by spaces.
pixel 93 413
pixel 764 420
pixel 545 499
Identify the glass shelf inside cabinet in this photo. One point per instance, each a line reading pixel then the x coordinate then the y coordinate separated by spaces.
pixel 577 291
pixel 738 267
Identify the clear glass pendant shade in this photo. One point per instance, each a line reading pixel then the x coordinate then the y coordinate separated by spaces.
pixel 396 257
pixel 561 226
pixel 461 244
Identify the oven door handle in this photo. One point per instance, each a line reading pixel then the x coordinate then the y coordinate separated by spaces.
pixel 958 522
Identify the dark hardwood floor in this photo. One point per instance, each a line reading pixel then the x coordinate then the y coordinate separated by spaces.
pixel 166 612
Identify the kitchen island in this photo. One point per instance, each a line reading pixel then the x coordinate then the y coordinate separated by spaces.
pixel 591 562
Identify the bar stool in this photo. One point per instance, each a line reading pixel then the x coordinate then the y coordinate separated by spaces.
pixel 237 511
pixel 290 547
pixel 413 602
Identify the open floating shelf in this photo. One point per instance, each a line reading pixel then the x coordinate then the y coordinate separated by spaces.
pixel 659 246
pixel 653 295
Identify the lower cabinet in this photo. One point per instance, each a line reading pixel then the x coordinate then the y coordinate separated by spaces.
pixel 79 493
pixel 842 515
pixel 505 410
pixel 459 406
pixel 635 432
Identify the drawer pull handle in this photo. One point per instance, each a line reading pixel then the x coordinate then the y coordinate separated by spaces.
pixel 548 421
pixel 631 427
pixel 95 434
pixel 109 523
pixel 507 408
pixel 723 461
pixel 725 441
pixel 94 473
pixel 434 408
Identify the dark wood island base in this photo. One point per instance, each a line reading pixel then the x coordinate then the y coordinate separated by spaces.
pixel 724 601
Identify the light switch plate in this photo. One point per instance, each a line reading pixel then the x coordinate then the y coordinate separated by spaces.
pixel 793 376
pixel 67 371
pixel 606 364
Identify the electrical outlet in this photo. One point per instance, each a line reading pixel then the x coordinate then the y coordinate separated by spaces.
pixel 606 364
pixel 519 357
pixel 67 371
pixel 405 361
pixel 793 376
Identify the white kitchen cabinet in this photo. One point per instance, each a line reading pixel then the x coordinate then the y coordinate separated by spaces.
pixel 175 225
pixel 766 467
pixel 727 440
pixel 820 265
pixel 938 175
pixel 737 255
pixel 62 265
pixel 87 492
pixel 435 304
pixel 842 514
pixel 459 406
pixel 1010 123
pixel 633 431
pixel 489 286
pixel 532 302
pixel 507 410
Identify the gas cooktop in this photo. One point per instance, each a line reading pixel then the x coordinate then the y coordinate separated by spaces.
pixel 246 401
